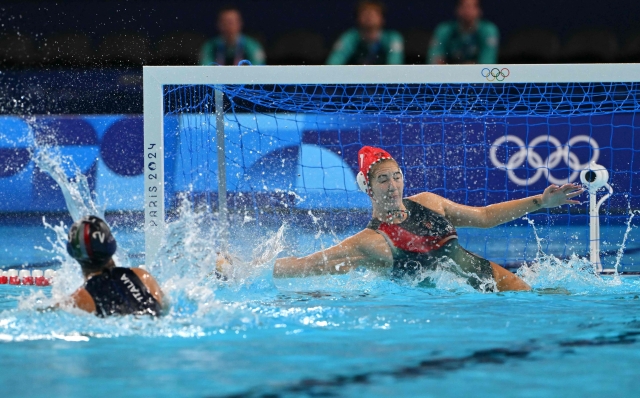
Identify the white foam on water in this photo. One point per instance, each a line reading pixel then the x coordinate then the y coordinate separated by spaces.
pixel 575 274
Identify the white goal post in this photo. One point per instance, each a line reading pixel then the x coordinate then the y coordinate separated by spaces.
pixel 156 77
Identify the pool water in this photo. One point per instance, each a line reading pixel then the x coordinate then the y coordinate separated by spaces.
pixel 360 334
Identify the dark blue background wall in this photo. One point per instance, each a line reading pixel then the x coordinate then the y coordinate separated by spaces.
pixel 329 17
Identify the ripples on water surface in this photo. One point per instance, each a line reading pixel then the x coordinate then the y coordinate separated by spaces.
pixel 351 335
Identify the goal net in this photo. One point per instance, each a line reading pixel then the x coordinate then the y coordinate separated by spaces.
pixel 279 144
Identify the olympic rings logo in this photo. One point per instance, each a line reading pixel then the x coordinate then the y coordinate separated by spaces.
pixel 495 74
pixel 542 167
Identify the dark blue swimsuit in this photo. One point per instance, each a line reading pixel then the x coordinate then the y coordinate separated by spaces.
pixel 422 240
pixel 119 291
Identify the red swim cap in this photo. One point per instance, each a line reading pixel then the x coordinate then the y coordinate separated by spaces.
pixel 367 157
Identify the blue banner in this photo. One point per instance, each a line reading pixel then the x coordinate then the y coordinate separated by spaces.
pixel 106 149
pixel 312 159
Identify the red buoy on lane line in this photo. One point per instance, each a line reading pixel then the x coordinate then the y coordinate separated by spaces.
pixel 14 279
pixel 25 277
pixel 49 275
pixel 38 278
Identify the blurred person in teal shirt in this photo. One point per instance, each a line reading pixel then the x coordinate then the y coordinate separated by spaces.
pixel 468 40
pixel 368 44
pixel 231 46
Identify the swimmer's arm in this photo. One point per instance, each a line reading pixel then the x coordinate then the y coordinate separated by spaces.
pixel 499 213
pixel 83 300
pixel 151 284
pixel 506 280
pixel 292 267
pixel 553 196
pixel 338 259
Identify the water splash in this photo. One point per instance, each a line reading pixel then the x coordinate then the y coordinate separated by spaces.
pixel 575 274
pixel 189 261
pixel 620 251
pixel 76 191
pixel 78 199
pixel 79 202
pixel 448 276
pixel 539 240
pixel 190 251
pixel 68 276
pixel 45 153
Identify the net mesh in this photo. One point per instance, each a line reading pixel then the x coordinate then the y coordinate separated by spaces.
pixel 291 152
pixel 524 99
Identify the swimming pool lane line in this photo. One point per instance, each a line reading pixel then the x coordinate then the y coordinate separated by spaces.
pixel 26 277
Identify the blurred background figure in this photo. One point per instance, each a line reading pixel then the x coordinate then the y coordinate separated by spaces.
pixel 468 40
pixel 368 44
pixel 231 46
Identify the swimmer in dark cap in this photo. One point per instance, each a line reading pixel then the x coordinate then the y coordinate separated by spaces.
pixel 109 290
